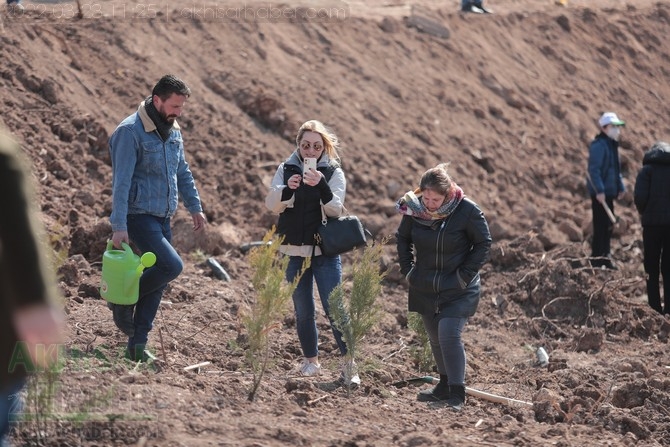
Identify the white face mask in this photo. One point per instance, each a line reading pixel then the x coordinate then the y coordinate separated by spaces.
pixel 613 132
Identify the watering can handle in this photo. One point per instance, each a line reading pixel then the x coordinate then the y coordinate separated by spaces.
pixel 127 249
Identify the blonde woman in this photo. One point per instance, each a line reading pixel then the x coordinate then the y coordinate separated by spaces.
pixel 298 195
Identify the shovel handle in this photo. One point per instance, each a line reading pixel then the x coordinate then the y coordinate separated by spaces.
pixel 609 212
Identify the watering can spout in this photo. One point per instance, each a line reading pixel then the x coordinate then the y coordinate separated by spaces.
pixel 146 260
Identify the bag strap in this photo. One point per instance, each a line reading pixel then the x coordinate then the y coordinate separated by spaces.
pixel 324 218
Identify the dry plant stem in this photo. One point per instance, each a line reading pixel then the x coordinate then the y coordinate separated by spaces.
pixel 313 401
pixel 160 337
pixel 402 348
pixel 197 366
pixel 495 398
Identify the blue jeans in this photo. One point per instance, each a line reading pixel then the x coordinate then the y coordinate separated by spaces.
pixel 10 406
pixel 151 233
pixel 447 346
pixel 327 271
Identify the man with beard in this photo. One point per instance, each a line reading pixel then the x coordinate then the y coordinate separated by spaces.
pixel 149 174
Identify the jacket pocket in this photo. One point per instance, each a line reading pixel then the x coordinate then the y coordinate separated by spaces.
pixel 152 157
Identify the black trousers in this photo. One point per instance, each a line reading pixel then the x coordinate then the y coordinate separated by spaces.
pixel 656 244
pixel 602 228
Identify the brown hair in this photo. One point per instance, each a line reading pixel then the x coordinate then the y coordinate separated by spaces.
pixel 437 179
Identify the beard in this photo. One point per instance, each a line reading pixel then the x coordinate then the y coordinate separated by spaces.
pixel 167 118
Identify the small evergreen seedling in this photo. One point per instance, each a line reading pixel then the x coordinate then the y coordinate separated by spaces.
pixel 273 293
pixel 422 355
pixel 357 315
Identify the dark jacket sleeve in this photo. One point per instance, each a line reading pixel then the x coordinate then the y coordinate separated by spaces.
pixel 405 245
pixel 24 269
pixel 478 231
pixel 641 192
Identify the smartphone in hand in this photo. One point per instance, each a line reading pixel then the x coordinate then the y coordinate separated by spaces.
pixel 310 163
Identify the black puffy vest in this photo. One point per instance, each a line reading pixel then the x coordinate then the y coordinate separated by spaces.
pixel 298 225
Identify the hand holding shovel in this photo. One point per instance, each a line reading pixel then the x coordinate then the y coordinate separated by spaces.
pixel 601 198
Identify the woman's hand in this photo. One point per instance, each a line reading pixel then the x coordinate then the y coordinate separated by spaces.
pixel 312 177
pixel 294 181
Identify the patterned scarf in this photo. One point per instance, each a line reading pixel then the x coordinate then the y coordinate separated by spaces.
pixel 411 204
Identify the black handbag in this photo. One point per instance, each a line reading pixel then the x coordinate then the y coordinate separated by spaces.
pixel 337 235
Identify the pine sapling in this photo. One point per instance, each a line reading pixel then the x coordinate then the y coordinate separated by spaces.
pixel 273 293
pixel 357 315
pixel 423 356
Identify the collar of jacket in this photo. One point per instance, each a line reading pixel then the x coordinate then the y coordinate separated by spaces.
pixel 149 125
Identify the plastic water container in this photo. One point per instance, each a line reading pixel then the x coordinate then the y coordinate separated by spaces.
pixel 121 271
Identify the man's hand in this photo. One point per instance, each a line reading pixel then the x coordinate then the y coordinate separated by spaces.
pixel 118 237
pixel 600 197
pixel 199 221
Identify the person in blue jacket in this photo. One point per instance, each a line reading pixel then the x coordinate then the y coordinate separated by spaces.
pixel 149 175
pixel 652 200
pixel 443 240
pixel 604 183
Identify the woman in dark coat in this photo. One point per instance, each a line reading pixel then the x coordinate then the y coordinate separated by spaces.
pixel 443 240
pixel 652 199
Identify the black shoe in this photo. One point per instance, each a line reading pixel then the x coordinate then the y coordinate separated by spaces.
pixel 472 8
pixel 438 393
pixel 123 318
pixel 457 399
pixel 482 8
pixel 603 263
pixel 609 265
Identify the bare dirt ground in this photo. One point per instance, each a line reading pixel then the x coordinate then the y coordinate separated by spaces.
pixel 509 99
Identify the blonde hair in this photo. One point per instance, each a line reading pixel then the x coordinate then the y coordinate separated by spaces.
pixel 330 140
pixel 437 179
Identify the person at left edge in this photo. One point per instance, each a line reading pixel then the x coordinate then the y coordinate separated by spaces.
pixel 31 317
pixel 150 174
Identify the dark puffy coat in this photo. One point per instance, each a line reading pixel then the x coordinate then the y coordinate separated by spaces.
pixel 604 168
pixel 444 274
pixel 652 187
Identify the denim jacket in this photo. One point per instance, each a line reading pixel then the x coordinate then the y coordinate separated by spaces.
pixel 148 173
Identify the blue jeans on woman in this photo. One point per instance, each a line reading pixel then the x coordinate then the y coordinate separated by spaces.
pixel 444 334
pixel 10 407
pixel 151 233
pixel 327 271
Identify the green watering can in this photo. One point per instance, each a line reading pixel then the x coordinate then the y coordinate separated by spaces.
pixel 121 271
